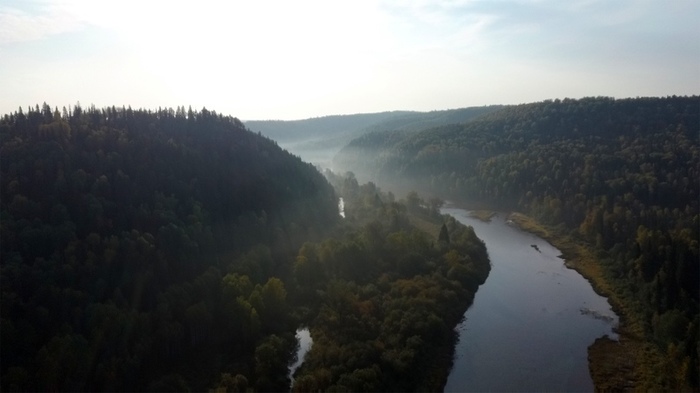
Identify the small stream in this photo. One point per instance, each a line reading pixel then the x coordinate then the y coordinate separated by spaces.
pixel 532 320
pixel 304 338
pixel 303 335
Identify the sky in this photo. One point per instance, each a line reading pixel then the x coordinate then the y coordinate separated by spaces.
pixel 298 59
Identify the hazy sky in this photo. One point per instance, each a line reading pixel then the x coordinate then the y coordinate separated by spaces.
pixel 298 59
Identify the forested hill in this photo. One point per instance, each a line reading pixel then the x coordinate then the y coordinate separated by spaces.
pixel 435 150
pixel 619 175
pixel 325 127
pixel 318 139
pixel 117 228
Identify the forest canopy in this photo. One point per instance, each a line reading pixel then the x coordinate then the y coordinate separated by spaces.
pixel 125 234
pixel 175 250
pixel 383 299
pixel 621 176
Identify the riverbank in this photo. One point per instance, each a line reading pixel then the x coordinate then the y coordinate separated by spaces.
pixel 632 363
pixel 442 356
pixel 483 215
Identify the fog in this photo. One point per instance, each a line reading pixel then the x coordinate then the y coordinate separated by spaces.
pixel 354 143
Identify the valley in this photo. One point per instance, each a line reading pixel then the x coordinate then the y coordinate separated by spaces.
pixel 613 183
pixel 178 249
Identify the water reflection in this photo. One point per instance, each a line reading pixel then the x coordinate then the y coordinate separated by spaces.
pixel 531 322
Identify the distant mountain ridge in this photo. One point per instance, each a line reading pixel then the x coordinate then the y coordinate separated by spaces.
pixel 318 139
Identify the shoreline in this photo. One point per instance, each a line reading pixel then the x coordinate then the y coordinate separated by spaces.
pixel 615 365
pixel 629 363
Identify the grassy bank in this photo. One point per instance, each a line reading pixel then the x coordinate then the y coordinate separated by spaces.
pixel 633 362
pixel 430 227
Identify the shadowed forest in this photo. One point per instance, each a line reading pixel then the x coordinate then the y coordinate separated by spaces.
pixel 180 250
pixel 177 250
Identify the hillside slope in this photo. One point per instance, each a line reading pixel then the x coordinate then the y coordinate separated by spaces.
pixel 317 140
pixel 620 176
pixel 119 228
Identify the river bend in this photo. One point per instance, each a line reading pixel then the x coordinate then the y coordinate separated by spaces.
pixel 532 320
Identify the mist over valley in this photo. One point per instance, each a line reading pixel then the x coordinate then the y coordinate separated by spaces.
pixel 374 196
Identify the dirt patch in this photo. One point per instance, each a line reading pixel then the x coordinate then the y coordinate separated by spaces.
pixel 482 215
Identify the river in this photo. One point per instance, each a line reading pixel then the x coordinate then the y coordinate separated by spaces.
pixel 304 339
pixel 303 335
pixel 532 320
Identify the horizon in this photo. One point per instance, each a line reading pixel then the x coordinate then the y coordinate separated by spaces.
pixel 276 61
pixel 155 109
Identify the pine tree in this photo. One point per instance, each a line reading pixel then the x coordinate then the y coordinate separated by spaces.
pixel 444 236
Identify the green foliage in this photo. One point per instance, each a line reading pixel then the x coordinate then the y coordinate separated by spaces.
pixel 271 360
pixel 444 235
pixel 175 250
pixel 384 321
pixel 621 175
pixel 140 248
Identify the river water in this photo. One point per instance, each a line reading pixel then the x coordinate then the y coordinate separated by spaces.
pixel 304 339
pixel 532 320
